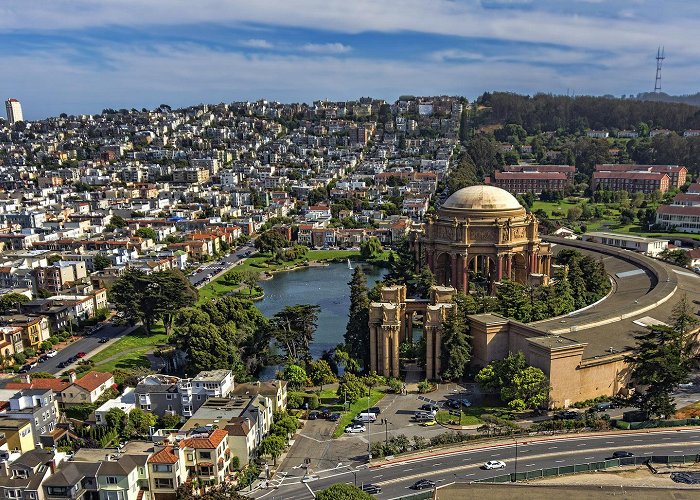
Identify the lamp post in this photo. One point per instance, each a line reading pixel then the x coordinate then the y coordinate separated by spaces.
pixel 354 473
pixel 515 476
pixel 386 432
pixel 369 429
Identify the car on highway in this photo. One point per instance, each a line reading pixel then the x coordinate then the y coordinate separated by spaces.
pixel 371 488
pixel 494 464
pixel 51 353
pixel 81 354
pixel 103 340
pixel 622 454
pixel 428 423
pixel 352 429
pixel 422 484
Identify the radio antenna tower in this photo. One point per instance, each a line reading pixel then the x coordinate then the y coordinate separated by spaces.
pixel 659 60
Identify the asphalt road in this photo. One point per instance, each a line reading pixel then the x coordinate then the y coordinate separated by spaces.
pixel 198 279
pixel 534 453
pixel 85 344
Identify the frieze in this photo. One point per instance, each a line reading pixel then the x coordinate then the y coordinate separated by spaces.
pixel 479 234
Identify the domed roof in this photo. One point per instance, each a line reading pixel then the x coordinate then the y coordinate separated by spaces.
pixel 482 198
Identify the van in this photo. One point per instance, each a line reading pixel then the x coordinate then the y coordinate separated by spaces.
pixel 366 418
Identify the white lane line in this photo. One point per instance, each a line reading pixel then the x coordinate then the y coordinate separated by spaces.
pixel 588 458
pixel 467 475
pixel 610 442
pixel 665 439
pixel 552 448
pixel 380 475
pixel 584 444
pixel 496 455
pixel 677 451
pixel 558 461
pixel 406 470
pixel 530 465
pixel 637 440
pixel 435 465
pixel 648 453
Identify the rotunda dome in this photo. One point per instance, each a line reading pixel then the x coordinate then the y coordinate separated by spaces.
pixel 481 198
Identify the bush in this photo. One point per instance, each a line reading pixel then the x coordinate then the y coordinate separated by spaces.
pixel 236 462
pixel 295 400
pixel 311 400
pixel 20 358
pixel 395 385
pixel 425 386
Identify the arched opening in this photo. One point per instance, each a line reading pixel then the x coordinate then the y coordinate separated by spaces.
pixel 520 268
pixel 443 269
pixel 482 272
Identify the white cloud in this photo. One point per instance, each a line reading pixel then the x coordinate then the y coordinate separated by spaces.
pixel 257 43
pixel 326 48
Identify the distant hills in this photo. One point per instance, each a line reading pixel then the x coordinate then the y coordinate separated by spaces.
pixel 690 99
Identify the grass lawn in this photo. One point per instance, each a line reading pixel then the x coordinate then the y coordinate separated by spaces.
pixel 354 409
pixel 130 350
pixel 443 416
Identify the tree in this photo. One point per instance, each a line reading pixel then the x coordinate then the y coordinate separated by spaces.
pixel 116 419
pixel 343 491
pixel 351 388
pixel 520 386
pixel 371 248
pixel 513 300
pixel 320 373
pixel 455 350
pixel 117 221
pixel 141 422
pixel 357 330
pixel 293 329
pixel 273 446
pixel 147 232
pixel 169 422
pixel 678 257
pixel 663 359
pixel 271 241
pixel 100 262
pixel 11 301
pixel 424 282
pixel 296 376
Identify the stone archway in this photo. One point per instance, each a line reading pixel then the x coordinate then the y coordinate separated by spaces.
pixel 443 268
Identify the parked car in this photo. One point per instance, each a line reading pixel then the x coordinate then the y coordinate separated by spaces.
pixel 372 489
pixel 622 454
pixel 605 406
pixel 352 429
pixel 81 354
pixel 324 413
pixel 43 358
pixel 103 340
pixel 567 415
pixel 52 353
pixel 423 484
pixel 429 407
pixel 375 410
pixel 334 417
pixel 63 364
pixel 428 423
pixel 494 464
pixel 25 369
pixel 313 415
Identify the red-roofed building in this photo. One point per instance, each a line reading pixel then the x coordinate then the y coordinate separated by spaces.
pixel 632 182
pixel 677 173
pixel 86 389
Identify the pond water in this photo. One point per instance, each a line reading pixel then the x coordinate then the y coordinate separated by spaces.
pixel 325 286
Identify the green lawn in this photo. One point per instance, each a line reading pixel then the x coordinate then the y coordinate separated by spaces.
pixel 354 409
pixel 130 350
pixel 443 416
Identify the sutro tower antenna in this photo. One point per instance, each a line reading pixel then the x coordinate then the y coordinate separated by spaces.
pixel 659 60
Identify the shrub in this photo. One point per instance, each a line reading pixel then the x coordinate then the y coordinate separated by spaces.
pixel 425 386
pixel 311 400
pixel 395 385
pixel 20 358
pixel 295 400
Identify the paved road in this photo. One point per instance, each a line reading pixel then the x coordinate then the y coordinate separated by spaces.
pixel 464 466
pixel 199 278
pixel 85 344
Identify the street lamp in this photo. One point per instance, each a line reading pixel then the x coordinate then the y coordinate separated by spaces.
pixel 369 429
pixel 515 476
pixel 354 473
pixel 386 432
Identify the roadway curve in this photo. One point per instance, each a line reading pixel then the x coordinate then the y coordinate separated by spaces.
pixel 464 465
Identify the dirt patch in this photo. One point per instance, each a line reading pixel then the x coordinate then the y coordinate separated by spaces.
pixel 638 476
pixel 690 411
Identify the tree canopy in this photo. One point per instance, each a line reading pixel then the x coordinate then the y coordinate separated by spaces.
pixel 12 300
pixel 343 491
pixel 519 385
pixel 357 330
pixel 293 329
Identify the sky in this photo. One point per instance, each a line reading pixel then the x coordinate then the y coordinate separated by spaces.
pixel 81 56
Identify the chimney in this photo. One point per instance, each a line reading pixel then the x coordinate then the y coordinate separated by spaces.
pixel 27 378
pixel 71 376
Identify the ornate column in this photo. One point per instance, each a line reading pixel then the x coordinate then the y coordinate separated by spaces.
pixel 465 274
pixel 373 348
pixel 509 266
pixel 499 267
pixel 385 364
pixel 428 351
pixel 395 358
pixel 429 257
pixel 409 329
pixel 436 354
pixel 453 270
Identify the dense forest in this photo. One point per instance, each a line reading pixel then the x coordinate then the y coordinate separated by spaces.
pixel 546 112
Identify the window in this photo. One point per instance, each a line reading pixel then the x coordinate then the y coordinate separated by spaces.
pixel 61 491
pixel 111 480
pixel 204 454
pixel 14 493
pixel 114 495
pixel 169 396
pixel 162 468
pixel 163 482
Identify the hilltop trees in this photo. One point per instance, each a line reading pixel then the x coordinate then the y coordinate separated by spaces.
pixel 664 358
pixel 357 330
pixel 152 297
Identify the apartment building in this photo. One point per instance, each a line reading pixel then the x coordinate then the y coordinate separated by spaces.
pixel 191 175
pixel 60 275
pixel 632 182
pixel 19 437
pixel 22 478
pixel 38 406
pixel 86 389
pixel 677 173
pixel 34 328
pixel 683 214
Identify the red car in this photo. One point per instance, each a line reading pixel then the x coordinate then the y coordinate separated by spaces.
pixel 81 354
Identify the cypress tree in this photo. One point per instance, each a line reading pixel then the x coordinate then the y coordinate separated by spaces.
pixel 455 347
pixel 357 330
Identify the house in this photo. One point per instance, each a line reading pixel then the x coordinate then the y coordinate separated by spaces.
pixel 35 329
pixel 10 341
pixel 598 134
pixel 87 389
pixel 565 232
pixel 166 470
pixel 276 390
pixel 647 246
pixel 38 406
pixel 18 433
pixel 22 479
pixel 126 402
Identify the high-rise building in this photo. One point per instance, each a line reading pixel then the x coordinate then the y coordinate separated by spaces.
pixel 14 110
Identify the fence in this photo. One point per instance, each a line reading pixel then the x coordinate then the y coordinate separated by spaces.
pixel 591 466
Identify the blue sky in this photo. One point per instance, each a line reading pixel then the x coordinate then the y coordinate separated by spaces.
pixel 80 56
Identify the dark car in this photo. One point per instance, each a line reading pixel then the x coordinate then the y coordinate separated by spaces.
pixel 429 407
pixel 567 415
pixel 372 489
pixel 423 484
pixel 313 415
pixel 622 454
pixel 62 364
pixel 25 369
pixel 334 417
pixel 375 410
pixel 324 413
pixel 43 358
pixel 103 340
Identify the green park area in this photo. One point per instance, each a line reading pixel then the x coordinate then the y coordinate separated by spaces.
pixel 329 399
pixel 130 351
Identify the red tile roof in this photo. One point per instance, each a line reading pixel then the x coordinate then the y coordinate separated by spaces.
pixel 54 384
pixel 210 442
pixel 92 380
pixel 164 456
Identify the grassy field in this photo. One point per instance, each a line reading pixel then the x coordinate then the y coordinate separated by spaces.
pixel 328 399
pixel 443 417
pixel 130 350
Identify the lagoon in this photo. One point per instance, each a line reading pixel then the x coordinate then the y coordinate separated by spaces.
pixel 325 286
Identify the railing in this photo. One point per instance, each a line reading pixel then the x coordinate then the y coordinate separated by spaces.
pixel 591 466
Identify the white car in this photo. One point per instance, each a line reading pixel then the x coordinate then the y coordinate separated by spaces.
pixel 494 464
pixel 52 353
pixel 355 428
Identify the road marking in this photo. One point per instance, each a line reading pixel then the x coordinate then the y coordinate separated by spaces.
pixel 496 455
pixel 406 470
pixel 665 439
pixel 530 465
pixel 637 440
pixel 552 448
pixel 588 458
pixel 558 461
pixel 584 444
pixel 648 452
pixel 677 451
pixel 380 475
pixel 610 442
pixel 435 465
pixel 467 475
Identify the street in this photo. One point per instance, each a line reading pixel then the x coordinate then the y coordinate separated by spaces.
pixel 199 278
pixel 85 344
pixel 533 453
